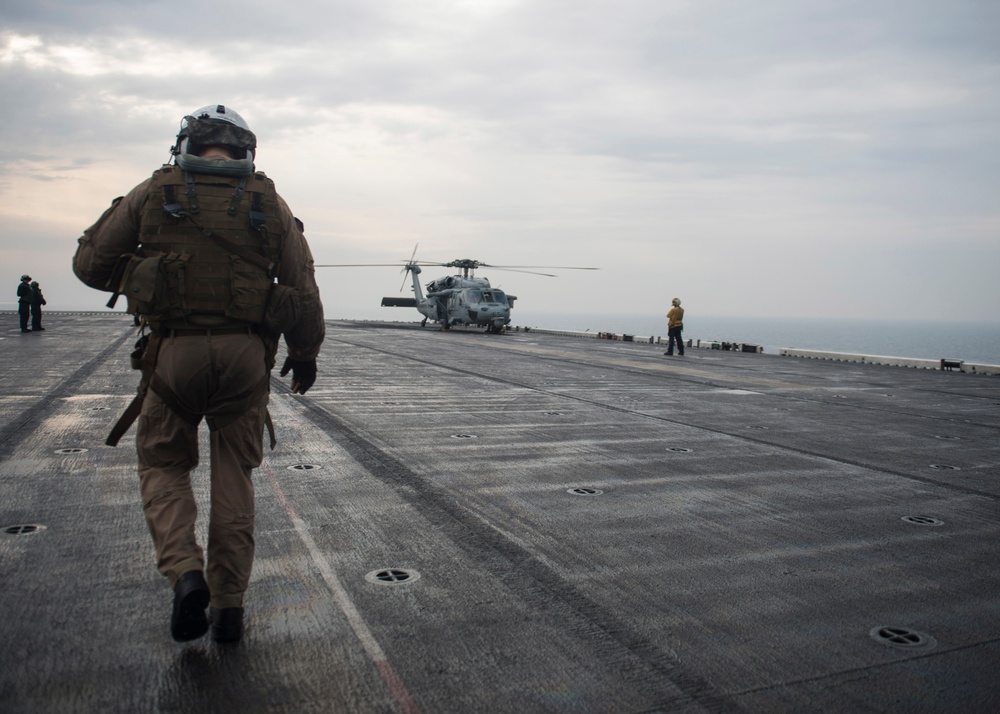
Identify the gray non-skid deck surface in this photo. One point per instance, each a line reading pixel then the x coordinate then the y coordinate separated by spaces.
pixel 586 526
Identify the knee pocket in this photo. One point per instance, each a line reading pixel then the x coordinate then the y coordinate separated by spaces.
pixel 156 498
pixel 224 516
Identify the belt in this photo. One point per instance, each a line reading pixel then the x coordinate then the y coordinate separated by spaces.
pixel 210 331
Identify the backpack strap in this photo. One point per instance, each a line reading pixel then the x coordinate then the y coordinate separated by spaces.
pixel 257 217
pixel 234 202
pixel 146 353
pixel 191 193
pixel 170 204
pixel 130 414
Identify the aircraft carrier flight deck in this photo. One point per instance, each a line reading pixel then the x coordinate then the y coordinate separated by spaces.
pixel 461 522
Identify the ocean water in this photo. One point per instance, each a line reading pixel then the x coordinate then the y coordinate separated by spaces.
pixel 976 342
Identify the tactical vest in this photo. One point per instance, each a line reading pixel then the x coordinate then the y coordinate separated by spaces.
pixel 201 280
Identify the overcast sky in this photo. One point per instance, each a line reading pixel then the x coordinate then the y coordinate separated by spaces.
pixel 764 158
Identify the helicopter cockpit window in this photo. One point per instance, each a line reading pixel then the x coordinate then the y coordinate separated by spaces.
pixel 500 297
pixel 473 296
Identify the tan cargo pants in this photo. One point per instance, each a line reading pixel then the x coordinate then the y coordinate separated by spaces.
pixel 208 374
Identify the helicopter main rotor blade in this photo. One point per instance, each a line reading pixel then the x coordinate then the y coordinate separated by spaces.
pixel 540 267
pixel 515 270
pixel 478 265
pixel 363 265
pixel 452 264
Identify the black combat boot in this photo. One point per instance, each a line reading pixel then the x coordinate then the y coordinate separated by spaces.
pixel 227 623
pixel 188 621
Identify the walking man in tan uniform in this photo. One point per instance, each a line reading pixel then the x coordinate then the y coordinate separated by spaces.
pixel 216 265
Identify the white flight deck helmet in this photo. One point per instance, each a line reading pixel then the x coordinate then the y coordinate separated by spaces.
pixel 676 302
pixel 215 125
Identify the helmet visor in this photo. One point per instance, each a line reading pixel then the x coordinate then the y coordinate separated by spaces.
pixel 210 132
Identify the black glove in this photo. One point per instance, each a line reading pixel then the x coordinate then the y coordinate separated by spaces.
pixel 303 373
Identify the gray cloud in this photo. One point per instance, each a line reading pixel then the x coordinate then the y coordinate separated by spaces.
pixel 847 134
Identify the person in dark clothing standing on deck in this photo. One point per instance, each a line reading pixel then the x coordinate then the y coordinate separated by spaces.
pixel 24 301
pixel 37 300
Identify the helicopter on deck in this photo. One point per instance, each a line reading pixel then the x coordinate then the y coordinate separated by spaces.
pixel 460 299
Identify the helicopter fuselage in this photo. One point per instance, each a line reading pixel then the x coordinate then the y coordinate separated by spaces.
pixel 457 300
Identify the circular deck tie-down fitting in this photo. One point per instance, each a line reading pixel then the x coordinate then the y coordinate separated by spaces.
pixel 902 638
pixel 24 529
pixel 392 576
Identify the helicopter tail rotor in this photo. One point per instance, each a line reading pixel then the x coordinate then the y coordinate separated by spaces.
pixel 406 268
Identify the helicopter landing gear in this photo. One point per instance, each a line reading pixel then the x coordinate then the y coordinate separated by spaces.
pixel 423 323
